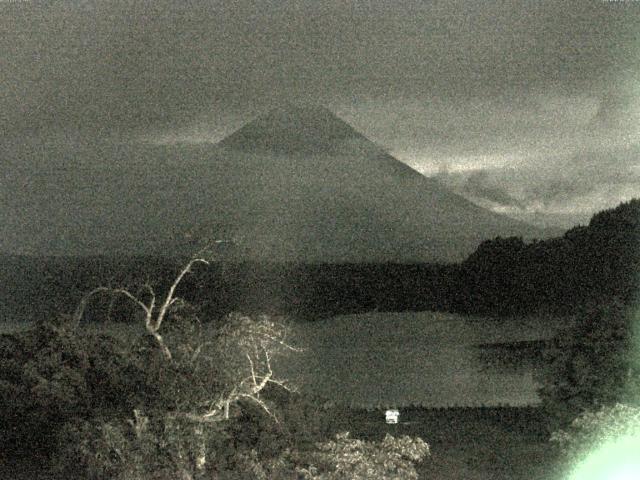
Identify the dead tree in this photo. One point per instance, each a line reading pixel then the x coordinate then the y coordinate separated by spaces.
pixel 245 347
pixel 155 313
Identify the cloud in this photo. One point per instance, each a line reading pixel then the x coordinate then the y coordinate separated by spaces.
pixel 619 111
pixel 583 174
pixel 480 185
pixel 562 190
pixel 123 66
pixel 518 89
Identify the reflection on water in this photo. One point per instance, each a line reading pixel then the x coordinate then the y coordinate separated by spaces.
pixel 414 358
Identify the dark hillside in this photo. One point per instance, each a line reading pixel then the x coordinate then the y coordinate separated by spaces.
pixel 504 276
pixel 591 263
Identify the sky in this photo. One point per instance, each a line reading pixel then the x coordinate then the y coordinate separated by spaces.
pixel 528 108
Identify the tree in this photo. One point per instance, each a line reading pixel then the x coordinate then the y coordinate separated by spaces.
pixel 591 363
pixel 197 381
pixel 246 349
pixel 154 314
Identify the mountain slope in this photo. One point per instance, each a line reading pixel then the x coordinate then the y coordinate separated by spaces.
pixel 337 196
pixel 296 184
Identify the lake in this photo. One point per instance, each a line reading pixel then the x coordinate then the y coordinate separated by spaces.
pixel 430 359
pixel 425 358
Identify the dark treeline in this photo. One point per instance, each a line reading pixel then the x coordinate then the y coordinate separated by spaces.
pixel 588 264
pixel 503 276
pixel 39 287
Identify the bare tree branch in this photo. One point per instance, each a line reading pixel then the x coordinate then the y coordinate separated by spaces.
pixel 253 371
pixel 198 351
pixel 169 298
pixel 152 325
pixel 77 315
pixel 281 383
pixel 275 339
pixel 128 294
pixel 258 400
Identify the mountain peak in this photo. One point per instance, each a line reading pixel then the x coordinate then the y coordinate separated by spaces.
pixel 289 128
pixel 303 111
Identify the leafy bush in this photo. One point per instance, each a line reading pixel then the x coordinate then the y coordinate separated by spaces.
pixel 346 458
pixel 140 448
pixel 50 374
pixel 341 459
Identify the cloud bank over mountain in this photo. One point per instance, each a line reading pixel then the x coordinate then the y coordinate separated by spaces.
pixel 561 192
pixel 472 85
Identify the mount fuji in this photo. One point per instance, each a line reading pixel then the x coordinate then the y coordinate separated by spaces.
pixel 296 184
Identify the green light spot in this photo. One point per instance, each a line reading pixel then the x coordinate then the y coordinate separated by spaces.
pixel 617 460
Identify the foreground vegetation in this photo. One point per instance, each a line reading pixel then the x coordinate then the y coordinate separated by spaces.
pixel 174 403
pixel 89 404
